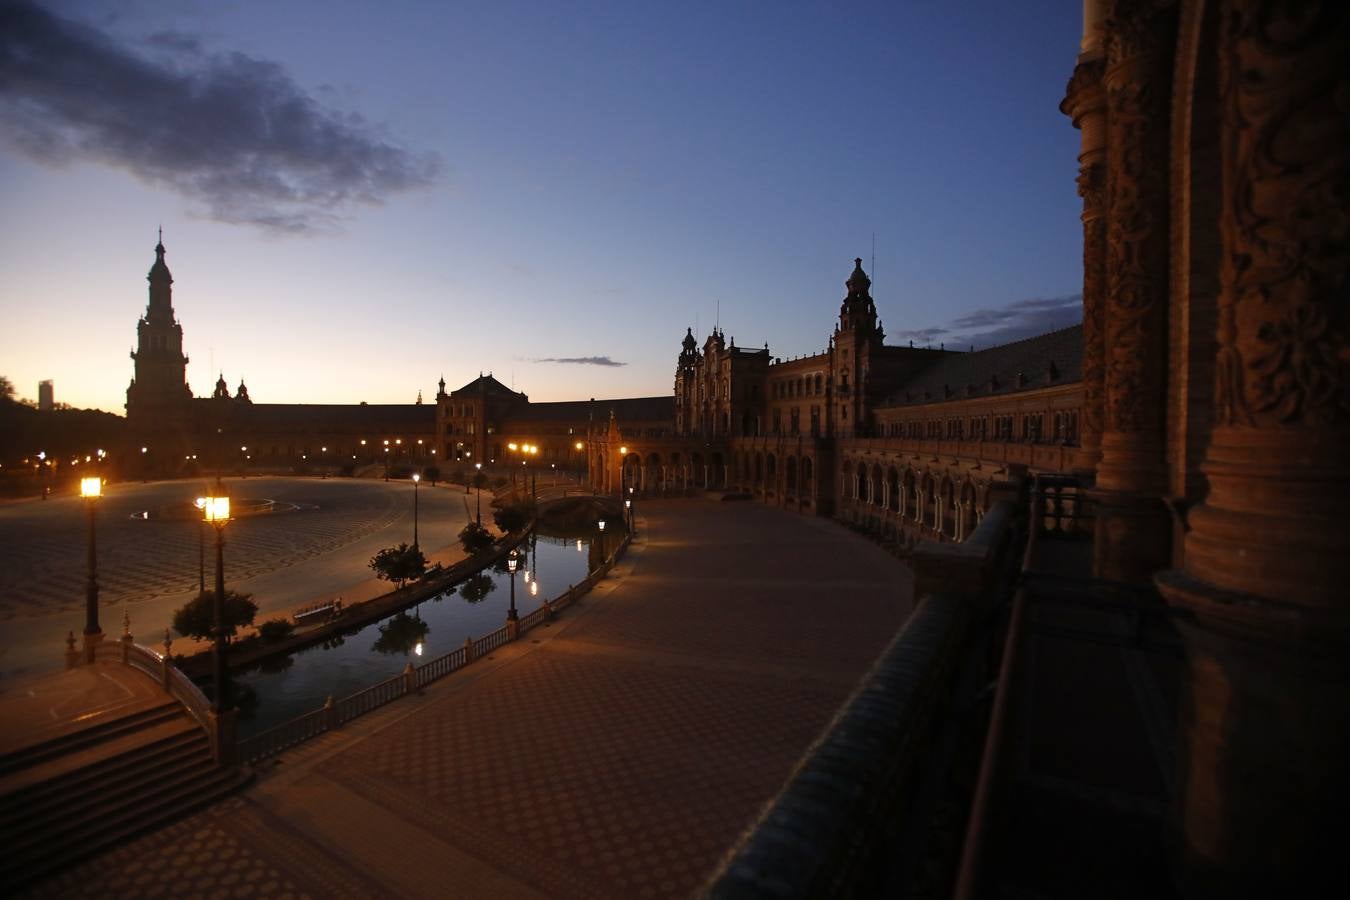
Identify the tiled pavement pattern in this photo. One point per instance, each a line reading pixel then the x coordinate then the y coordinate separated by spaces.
pixel 617 753
pixel 42 545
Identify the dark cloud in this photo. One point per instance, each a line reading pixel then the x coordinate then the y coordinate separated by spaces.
pixel 988 327
pixel 582 360
pixel 234 134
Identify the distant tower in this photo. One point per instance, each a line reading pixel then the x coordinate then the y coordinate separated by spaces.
pixel 241 395
pixel 159 388
pixel 855 338
pixel 46 398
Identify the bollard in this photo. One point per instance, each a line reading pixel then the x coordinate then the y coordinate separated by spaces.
pixel 409 678
pixel 126 637
pixel 168 657
pixel 72 655
pixel 468 650
pixel 330 720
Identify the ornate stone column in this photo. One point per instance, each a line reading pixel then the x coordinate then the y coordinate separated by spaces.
pixel 1265 592
pixel 1133 527
pixel 1085 104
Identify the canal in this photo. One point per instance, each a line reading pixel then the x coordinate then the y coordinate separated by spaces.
pixel 282 688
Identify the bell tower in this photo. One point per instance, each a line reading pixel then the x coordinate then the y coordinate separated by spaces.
pixel 159 385
pixel 855 337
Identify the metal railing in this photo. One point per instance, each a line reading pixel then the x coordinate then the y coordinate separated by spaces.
pixel 335 714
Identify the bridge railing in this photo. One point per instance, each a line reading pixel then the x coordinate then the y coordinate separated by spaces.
pixel 161 668
pixel 334 714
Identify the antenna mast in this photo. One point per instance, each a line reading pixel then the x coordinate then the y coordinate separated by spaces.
pixel 874 257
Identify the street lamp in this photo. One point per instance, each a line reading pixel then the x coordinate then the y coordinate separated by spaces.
pixel 216 511
pixel 628 505
pixel 200 503
pixel 478 517
pixel 91 489
pixel 416 478
pixel 512 561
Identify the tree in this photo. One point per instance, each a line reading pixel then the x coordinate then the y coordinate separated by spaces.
pixel 196 618
pixel 474 538
pixel 6 389
pixel 401 634
pixel 476 587
pixel 431 473
pixel 512 517
pixel 399 564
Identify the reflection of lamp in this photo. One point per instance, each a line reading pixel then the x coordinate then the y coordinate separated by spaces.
pixel 418 648
pixel 602 525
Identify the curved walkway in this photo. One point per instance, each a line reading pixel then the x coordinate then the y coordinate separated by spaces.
pixel 617 754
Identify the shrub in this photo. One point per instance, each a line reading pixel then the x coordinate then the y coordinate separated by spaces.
pixel 399 564
pixel 474 538
pixel 274 630
pixel 196 618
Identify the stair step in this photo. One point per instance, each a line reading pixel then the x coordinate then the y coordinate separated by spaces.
pixel 66 798
pixel 96 756
pixel 71 742
pixel 35 798
pixel 95 808
pixel 21 870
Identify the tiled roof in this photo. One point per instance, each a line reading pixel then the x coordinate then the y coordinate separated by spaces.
pixel 954 375
pixel 486 384
pixel 286 416
pixel 627 409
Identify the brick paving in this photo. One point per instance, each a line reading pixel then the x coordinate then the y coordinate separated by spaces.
pixel 617 753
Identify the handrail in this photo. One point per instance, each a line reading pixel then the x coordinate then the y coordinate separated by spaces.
pixel 977 828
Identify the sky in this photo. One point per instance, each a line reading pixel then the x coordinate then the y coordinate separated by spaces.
pixel 359 198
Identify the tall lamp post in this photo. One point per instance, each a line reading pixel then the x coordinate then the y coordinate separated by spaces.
pixel 200 503
pixel 216 511
pixel 91 489
pixel 628 505
pixel 416 479
pixel 478 516
pixel 512 620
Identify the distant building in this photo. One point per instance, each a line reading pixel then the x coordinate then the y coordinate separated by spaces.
pixel 46 398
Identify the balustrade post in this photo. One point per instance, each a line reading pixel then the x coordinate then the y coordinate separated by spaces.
pixel 126 637
pixel 468 650
pixel 409 678
pixel 330 716
pixel 166 661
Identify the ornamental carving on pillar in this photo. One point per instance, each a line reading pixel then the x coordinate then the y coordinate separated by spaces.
pixel 1139 41
pixel 1286 271
pixel 1091 183
pixel 1094 289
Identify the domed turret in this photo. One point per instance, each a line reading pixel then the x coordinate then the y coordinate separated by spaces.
pixel 858 283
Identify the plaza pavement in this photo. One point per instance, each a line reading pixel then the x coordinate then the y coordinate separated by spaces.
pixel 148 568
pixel 615 753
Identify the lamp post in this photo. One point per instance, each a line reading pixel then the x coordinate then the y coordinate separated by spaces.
pixel 91 489
pixel 628 505
pixel 216 510
pixel 145 476
pixel 416 479
pixel 386 459
pixel 478 517
pixel 201 546
pixel 512 562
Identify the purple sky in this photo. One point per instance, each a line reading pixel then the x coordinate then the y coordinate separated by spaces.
pixel 357 198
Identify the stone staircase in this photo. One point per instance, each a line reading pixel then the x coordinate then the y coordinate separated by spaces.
pixel 85 790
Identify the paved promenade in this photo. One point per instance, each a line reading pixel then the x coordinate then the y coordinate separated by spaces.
pixel 616 753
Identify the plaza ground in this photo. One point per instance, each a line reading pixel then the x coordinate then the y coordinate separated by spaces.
pixel 618 752
pixel 149 567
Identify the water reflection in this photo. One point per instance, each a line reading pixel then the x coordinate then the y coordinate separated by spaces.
pixel 361 656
